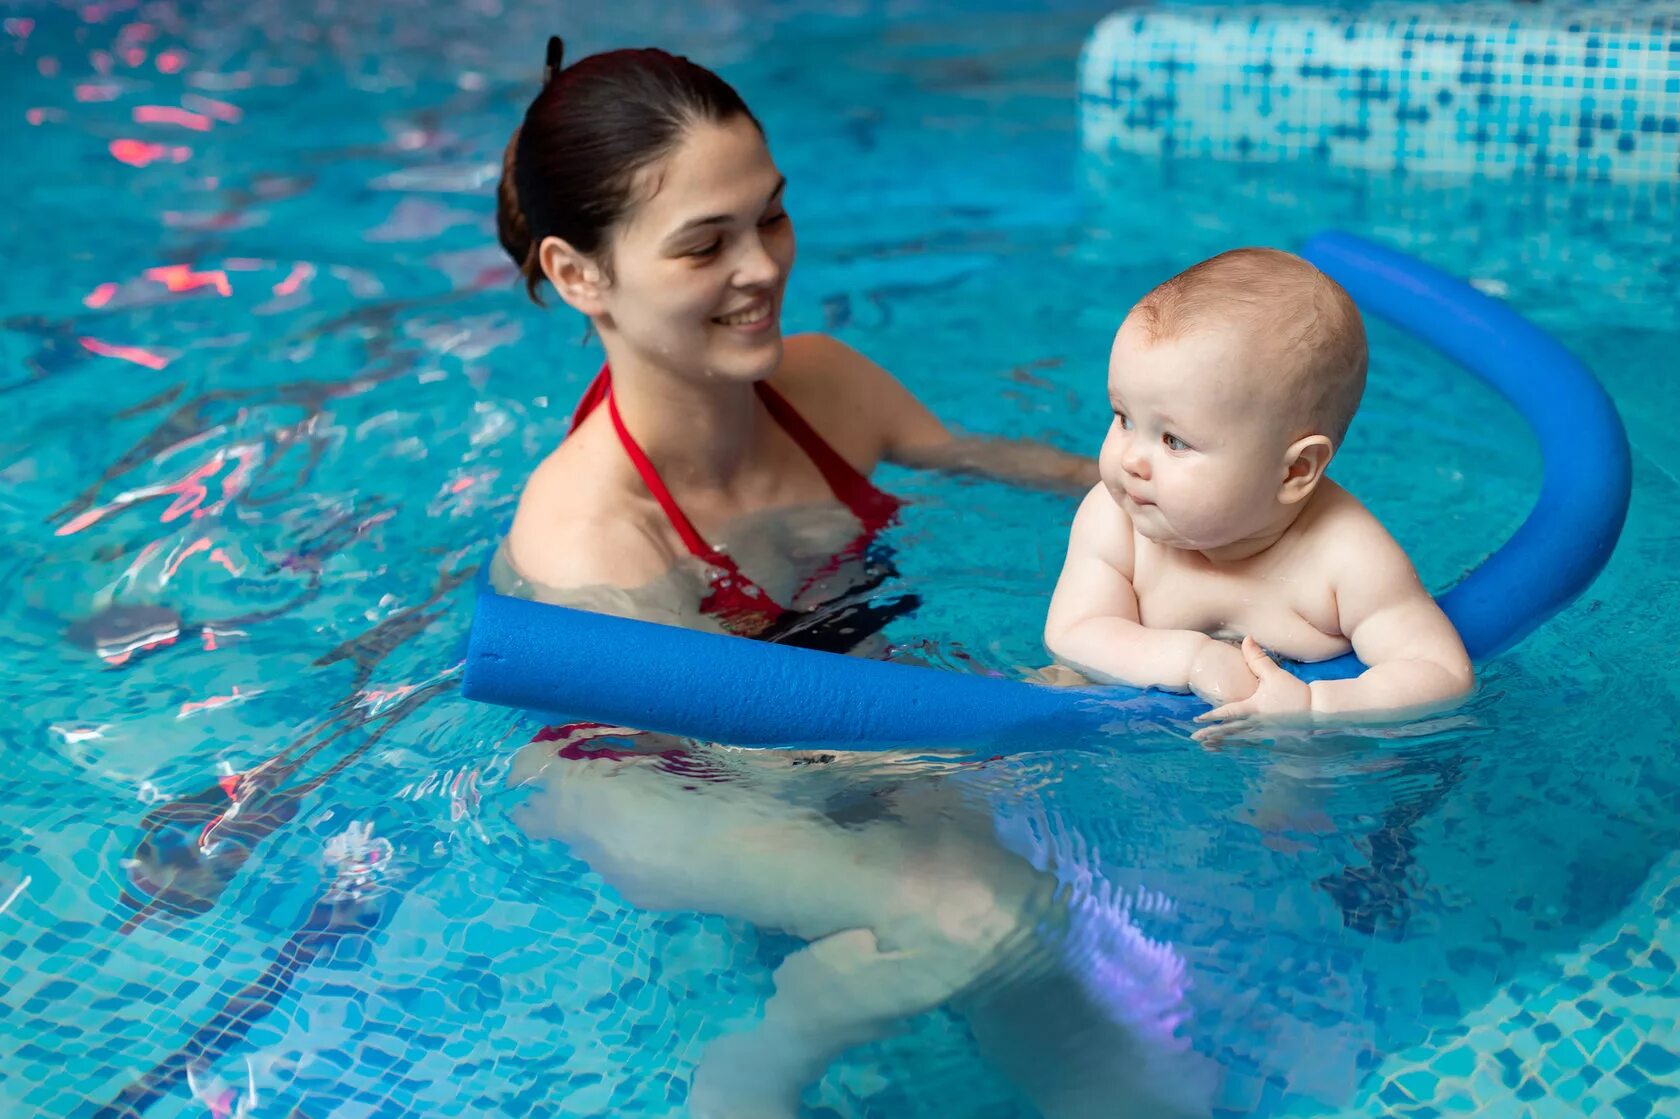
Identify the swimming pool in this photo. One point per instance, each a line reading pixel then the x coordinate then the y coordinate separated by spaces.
pixel 271 375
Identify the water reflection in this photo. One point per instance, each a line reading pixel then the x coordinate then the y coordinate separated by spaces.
pixel 291 329
pixel 891 870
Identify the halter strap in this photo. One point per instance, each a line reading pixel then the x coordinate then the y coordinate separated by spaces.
pixel 734 598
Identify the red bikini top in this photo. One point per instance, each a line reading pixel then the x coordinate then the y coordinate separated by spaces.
pixel 735 600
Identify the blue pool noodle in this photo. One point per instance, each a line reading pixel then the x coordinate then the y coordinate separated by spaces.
pixel 657 677
pixel 1586 465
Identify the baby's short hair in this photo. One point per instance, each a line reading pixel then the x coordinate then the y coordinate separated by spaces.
pixel 1308 323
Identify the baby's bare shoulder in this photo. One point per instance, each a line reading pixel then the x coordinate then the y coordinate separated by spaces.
pixel 1103 530
pixel 1347 540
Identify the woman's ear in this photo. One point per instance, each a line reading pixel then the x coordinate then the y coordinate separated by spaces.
pixel 576 277
pixel 1304 466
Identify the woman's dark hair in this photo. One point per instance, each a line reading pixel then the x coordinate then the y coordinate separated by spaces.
pixel 570 166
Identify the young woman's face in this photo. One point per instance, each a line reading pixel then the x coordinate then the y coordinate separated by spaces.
pixel 699 268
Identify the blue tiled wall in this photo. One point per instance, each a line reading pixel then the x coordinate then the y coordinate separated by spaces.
pixel 1563 91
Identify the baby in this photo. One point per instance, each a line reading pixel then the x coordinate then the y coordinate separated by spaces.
pixel 1232 385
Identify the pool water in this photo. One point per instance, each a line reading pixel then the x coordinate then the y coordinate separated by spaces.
pixel 274 391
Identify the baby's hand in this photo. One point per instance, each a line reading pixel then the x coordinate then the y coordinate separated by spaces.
pixel 1219 673
pixel 1280 700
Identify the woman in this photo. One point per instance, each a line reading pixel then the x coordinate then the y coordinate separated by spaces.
pixel 716 476
pixel 640 189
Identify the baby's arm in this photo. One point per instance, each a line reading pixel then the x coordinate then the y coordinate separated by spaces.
pixel 1093 621
pixel 1415 660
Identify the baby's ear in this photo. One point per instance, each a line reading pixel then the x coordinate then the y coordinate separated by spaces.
pixel 1304 466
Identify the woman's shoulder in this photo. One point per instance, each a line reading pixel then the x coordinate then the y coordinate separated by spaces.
pixel 857 405
pixel 580 523
pixel 822 365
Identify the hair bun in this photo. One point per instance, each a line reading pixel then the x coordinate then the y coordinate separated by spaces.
pixel 556 55
pixel 512 230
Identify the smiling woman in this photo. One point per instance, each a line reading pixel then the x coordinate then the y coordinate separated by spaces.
pixel 717 476
pixel 640 189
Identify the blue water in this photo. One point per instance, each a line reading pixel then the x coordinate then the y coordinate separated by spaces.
pixel 294 441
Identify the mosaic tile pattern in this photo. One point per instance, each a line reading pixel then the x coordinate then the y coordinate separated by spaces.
pixel 1594 1033
pixel 1566 92
pixel 379 435
pixel 385 991
pixel 1518 239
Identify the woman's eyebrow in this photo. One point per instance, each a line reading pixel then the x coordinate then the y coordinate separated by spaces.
pixel 719 219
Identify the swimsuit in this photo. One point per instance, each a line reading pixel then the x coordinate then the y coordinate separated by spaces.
pixel 740 605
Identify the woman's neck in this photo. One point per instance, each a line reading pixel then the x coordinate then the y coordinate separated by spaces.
pixel 697 433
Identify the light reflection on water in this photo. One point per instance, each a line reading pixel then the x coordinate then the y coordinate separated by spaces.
pixel 276 393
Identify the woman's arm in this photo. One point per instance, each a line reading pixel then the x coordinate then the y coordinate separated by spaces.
pixel 1022 462
pixel 905 432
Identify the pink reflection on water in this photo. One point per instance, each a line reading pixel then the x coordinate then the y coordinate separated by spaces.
pixel 468 481
pixel 193 706
pixel 181 277
pixel 42 116
pixel 140 561
pixel 174 565
pixel 134 56
pixel 97 91
pixel 20 28
pixel 301 272
pixel 100 296
pixel 189 492
pixel 48 67
pixel 138 153
pixel 220 557
pixel 245 462
pixel 193 484
pixel 135 354
pixel 171 61
pixel 379 698
pixel 461 495
pixel 168 114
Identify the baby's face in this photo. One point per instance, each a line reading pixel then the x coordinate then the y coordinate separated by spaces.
pixel 1193 455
